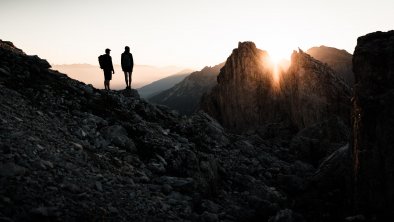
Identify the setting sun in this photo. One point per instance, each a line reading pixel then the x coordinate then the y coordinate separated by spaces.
pixel 278 55
pixel 278 60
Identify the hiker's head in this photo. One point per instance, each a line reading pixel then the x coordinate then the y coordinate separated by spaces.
pixel 127 49
pixel 107 51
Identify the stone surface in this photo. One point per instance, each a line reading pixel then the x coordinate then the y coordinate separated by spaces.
pixel 373 125
pixel 240 99
pixel 313 93
pixel 11 169
pixel 318 141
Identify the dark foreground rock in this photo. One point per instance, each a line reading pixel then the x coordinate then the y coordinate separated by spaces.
pixel 373 126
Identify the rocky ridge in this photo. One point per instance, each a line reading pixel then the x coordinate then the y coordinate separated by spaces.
pixel 312 92
pixel 339 60
pixel 244 90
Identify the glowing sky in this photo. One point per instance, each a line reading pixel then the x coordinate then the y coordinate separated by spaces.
pixel 182 32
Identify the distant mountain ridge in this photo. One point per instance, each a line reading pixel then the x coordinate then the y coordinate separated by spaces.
pixel 339 60
pixel 185 96
pixel 158 86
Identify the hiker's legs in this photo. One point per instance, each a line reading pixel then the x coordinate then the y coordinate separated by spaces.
pixel 107 77
pixel 125 79
pixel 130 79
pixel 108 84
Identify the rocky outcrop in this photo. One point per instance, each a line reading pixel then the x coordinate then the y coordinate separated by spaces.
pixel 312 92
pixel 185 96
pixel 244 97
pixel 339 60
pixel 373 125
pixel 315 142
pixel 248 96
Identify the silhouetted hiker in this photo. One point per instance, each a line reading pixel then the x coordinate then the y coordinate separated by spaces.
pixel 106 65
pixel 127 65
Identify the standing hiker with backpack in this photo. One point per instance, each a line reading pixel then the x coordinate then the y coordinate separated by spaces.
pixel 127 66
pixel 105 62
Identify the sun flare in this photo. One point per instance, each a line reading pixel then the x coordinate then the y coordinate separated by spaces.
pixel 278 55
pixel 278 58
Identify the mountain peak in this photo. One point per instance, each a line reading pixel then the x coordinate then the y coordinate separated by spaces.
pixel 339 60
pixel 246 44
pixel 245 62
pixel 245 75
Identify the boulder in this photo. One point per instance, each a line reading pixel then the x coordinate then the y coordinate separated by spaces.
pixel 285 215
pixel 118 136
pixel 316 142
pixel 11 169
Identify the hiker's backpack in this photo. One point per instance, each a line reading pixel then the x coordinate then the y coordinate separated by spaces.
pixel 101 61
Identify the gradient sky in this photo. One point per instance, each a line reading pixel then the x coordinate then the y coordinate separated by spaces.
pixel 185 33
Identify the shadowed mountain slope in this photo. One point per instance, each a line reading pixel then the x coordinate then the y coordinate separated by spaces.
pixel 185 96
pixel 160 85
pixel 339 60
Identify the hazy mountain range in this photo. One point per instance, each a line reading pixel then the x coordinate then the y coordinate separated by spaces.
pixel 92 74
pixel 185 96
pixel 163 84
